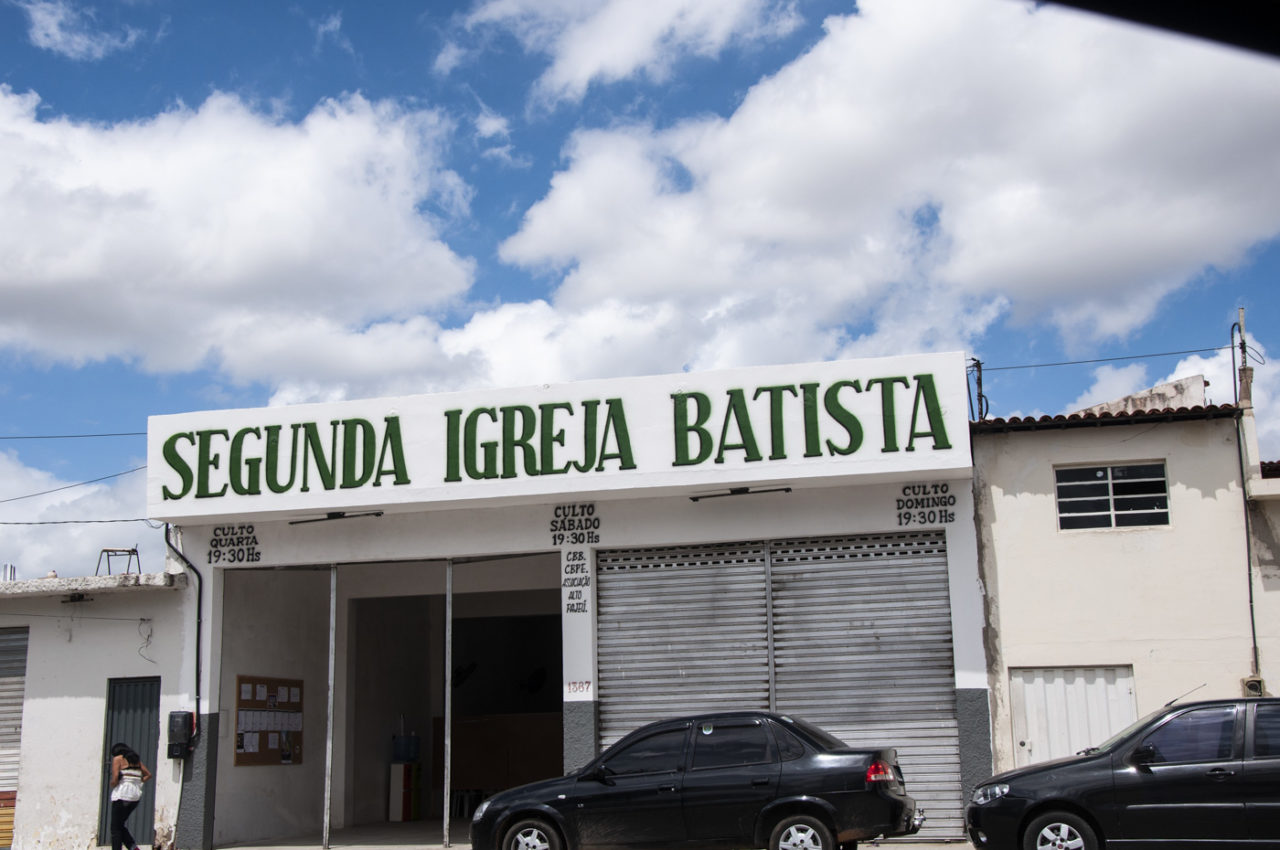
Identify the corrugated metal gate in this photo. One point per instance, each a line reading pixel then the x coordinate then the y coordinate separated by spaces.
pixel 133 718
pixel 1058 711
pixel 852 633
pixel 13 680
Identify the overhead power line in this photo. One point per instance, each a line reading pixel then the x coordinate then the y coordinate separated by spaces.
pixel 151 523
pixel 69 486
pixel 73 436
pixel 986 368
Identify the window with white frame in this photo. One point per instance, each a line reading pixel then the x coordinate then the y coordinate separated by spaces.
pixel 1112 496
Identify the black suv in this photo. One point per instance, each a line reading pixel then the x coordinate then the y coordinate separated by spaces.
pixel 1203 774
pixel 740 779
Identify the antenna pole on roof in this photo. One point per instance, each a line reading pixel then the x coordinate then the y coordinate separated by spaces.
pixel 1246 371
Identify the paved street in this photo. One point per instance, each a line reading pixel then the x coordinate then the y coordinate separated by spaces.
pixel 426 835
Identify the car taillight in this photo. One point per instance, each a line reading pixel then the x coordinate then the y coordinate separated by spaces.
pixel 880 771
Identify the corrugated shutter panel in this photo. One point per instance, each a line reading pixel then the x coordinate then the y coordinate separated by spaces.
pixel 13 678
pixel 680 630
pixel 852 633
pixel 862 647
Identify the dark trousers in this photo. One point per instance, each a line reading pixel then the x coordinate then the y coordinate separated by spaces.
pixel 120 835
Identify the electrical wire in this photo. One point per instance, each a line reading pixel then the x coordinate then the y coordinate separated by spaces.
pixel 151 523
pixel 1105 359
pixel 146 639
pixel 69 486
pixel 76 616
pixel 72 436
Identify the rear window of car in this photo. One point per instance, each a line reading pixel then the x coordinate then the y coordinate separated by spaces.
pixel 1266 731
pixel 820 737
pixel 789 746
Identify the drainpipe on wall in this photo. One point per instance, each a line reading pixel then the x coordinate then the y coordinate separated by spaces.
pixel 1244 401
pixel 195 733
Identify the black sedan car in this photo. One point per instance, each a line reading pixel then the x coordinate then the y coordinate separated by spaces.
pixel 1202 774
pixel 740 779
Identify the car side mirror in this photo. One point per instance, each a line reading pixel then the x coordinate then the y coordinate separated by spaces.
pixel 1144 755
pixel 600 774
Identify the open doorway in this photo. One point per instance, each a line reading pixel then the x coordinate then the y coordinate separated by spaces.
pixel 507 723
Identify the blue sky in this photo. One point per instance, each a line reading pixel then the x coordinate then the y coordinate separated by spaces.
pixel 210 205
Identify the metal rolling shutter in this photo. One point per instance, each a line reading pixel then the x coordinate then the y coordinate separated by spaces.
pixel 13 678
pixel 680 630
pixel 852 633
pixel 862 635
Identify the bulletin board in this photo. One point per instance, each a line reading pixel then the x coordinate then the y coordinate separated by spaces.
pixel 268 720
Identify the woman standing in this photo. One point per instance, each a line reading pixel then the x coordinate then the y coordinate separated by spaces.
pixel 127 775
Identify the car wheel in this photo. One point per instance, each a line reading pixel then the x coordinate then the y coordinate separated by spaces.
pixel 1059 831
pixel 531 834
pixel 801 832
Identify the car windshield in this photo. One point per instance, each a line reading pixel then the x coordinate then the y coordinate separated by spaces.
pixel 1125 732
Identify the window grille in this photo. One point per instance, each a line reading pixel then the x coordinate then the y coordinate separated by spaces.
pixel 1112 496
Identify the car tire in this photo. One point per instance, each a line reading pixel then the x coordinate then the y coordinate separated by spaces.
pixel 1057 830
pixel 801 832
pixel 531 834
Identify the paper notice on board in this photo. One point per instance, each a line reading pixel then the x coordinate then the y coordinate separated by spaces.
pixel 295 694
pixel 261 693
pixel 250 742
pixel 273 740
pixel 282 693
pixel 246 690
pixel 295 721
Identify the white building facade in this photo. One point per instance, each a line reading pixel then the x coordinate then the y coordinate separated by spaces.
pixel 581 559
pixel 388 609
pixel 88 662
pixel 1122 567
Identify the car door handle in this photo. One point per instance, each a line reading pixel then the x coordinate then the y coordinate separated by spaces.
pixel 760 780
pixel 1220 773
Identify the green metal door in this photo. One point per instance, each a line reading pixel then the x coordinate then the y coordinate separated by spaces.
pixel 133 718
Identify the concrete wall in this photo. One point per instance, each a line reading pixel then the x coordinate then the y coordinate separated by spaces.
pixel 73 650
pixel 1172 601
pixel 1264 522
pixel 275 623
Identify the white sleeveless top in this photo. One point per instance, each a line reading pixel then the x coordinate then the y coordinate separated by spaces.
pixel 129 788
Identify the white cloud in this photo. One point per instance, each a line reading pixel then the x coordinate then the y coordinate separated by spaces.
pixel 450 57
pixel 490 124
pixel 58 26
pixel 924 170
pixel 329 30
pixel 603 41
pixel 1111 383
pixel 200 234
pixel 72 549
pixel 1220 371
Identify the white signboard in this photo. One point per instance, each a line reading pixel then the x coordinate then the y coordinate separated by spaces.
pixel 898 417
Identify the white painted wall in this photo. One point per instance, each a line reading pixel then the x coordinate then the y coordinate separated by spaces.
pixel 813 511
pixel 73 649
pixel 1172 601
pixel 1265 526
pixel 274 623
